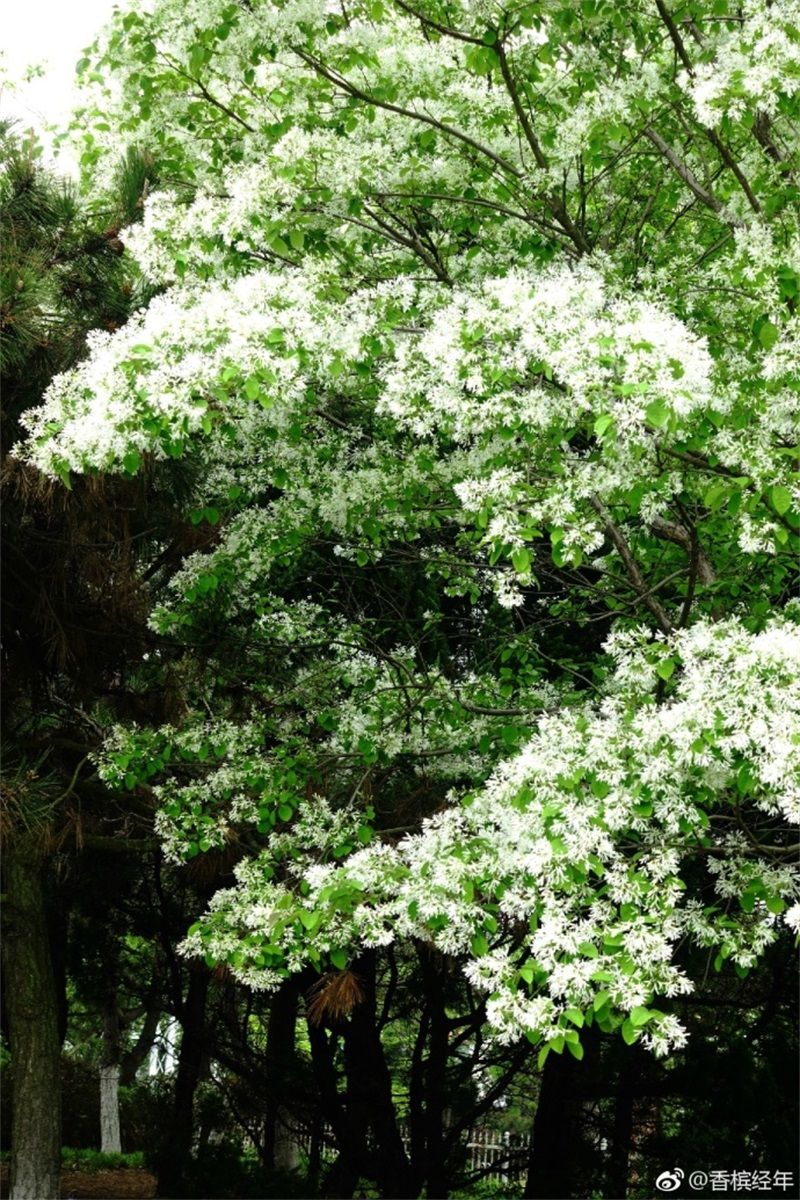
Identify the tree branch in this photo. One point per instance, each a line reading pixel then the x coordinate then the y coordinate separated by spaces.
pixel 631 566
pixel 352 90
pixel 685 173
pixel 670 531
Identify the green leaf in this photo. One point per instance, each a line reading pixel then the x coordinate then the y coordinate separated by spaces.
pixel 640 1016
pixel 575 1016
pixel 338 958
pixel 781 498
pixel 576 1050
pixel 132 461
pixel 746 780
pixel 715 495
pixel 521 559
pixel 207 583
pixel 629 1033
pixel 657 413
pixel 768 335
pixel 666 668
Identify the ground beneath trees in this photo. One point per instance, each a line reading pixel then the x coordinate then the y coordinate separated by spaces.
pixel 126 1183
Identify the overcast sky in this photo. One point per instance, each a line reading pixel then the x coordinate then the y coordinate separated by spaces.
pixel 53 33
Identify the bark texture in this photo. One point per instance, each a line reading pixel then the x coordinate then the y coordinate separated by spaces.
pixel 176 1152
pixel 32 1010
pixel 110 1140
pixel 553 1148
pixel 281 1152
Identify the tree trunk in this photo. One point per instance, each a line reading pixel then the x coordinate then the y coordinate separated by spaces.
pixel 110 1140
pixel 142 1047
pixel 280 1148
pixel 32 1006
pixel 416 1102
pixel 623 1125
pixel 369 1090
pixel 177 1148
pixel 553 1147
pixel 342 1177
pixel 436 1067
pixel 364 1125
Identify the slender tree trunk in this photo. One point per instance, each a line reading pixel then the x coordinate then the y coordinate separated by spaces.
pixel 110 1140
pixel 141 1048
pixel 280 1147
pixel 553 1147
pixel 369 1090
pixel 416 1102
pixel 177 1149
pixel 623 1125
pixel 436 1066
pixel 353 1156
pixel 32 1007
pixel 364 1123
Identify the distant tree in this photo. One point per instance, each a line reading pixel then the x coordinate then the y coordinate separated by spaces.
pixel 72 614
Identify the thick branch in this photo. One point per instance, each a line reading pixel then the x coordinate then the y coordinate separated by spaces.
pixel 631 566
pixel 677 40
pixel 761 129
pixel 412 242
pixel 730 162
pixel 670 531
pixel 685 173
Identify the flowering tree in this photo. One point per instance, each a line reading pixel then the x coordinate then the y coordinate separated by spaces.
pixel 478 338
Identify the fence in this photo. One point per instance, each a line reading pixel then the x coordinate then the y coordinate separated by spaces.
pixel 490 1153
pixel 497 1154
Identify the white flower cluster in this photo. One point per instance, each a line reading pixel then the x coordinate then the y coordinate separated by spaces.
pixel 404 325
pixel 537 351
pixel 751 64
pixel 558 884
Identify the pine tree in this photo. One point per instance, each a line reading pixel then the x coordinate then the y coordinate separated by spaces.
pixel 71 609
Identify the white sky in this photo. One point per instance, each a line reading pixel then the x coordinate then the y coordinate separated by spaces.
pixel 52 33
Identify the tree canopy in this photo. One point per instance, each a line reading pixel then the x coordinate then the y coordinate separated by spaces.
pixel 475 346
